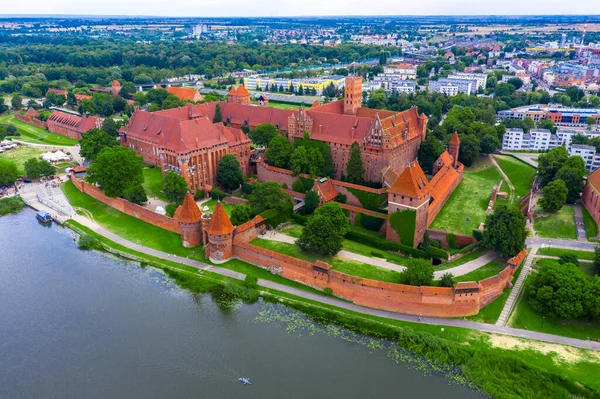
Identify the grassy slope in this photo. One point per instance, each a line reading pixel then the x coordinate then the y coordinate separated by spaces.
pixel 212 203
pixel 20 155
pixel 34 134
pixel 589 255
pixel 469 200
pixel 129 227
pixel 520 174
pixel 464 259
pixel 557 225
pixel 153 182
pixel 591 228
pixel 485 271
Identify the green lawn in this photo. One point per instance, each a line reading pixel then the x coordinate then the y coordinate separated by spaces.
pixel 557 225
pixel 343 265
pixel 20 155
pixel 485 271
pixel 589 255
pixel 34 134
pixel 153 182
pixel 276 104
pixel 587 267
pixel 591 228
pixel 129 227
pixel 526 318
pixel 469 200
pixel 464 259
pixel 520 174
pixel 212 203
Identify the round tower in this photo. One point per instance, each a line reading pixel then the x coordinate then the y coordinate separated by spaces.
pixel 190 221
pixel 220 236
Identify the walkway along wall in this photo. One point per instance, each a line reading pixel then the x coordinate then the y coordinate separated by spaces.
pixel 465 299
pixel 127 207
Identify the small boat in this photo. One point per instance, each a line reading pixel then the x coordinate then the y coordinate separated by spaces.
pixel 43 217
pixel 246 381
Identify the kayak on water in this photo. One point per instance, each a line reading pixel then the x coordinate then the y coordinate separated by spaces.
pixel 246 381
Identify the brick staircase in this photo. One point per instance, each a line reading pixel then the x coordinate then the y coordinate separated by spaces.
pixel 516 290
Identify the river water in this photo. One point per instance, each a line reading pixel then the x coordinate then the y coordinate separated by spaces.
pixel 77 324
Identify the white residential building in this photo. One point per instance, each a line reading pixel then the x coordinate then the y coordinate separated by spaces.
pixel 480 78
pixel 515 139
pixel 535 140
pixel 452 87
pixel 402 71
pixel 588 153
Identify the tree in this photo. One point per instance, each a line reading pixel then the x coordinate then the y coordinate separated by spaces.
pixel 505 230
pixel 71 99
pixel 554 196
pixel 268 195
pixel 516 82
pixel 240 214
pixel 263 134
pixel 110 126
pixel 230 174
pixel 590 121
pixel 311 201
pixel 355 170
pixel 490 143
pixel 16 101
pixel 175 187
pixel 469 149
pixel 218 116
pixel 447 280
pixel 597 258
pixel 550 163
pixel 36 168
pixel 320 236
pixel 93 141
pixel 116 170
pixel 572 174
pixel 429 151
pixel 8 172
pixel 418 272
pixel 568 258
pixel 299 161
pixel 86 106
pixel 279 152
pixel 334 212
pixel 316 162
pixel 137 194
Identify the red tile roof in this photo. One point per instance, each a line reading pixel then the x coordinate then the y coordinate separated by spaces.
pixel 219 222
pixel 594 179
pixel 57 91
pixel 31 112
pixel 454 139
pixel 189 211
pixel 80 124
pixel 518 258
pixel 411 183
pixel 240 91
pixel 184 93
pixel 326 190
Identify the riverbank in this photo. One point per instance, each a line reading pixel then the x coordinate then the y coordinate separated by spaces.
pixel 503 367
pixel 10 205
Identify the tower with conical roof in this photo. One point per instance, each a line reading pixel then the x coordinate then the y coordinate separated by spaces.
pixel 454 148
pixel 190 220
pixel 219 233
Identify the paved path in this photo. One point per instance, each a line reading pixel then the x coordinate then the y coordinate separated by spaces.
pixel 557 257
pixel 510 185
pixel 581 235
pixel 556 243
pixel 344 304
pixel 516 289
pixel 456 271
pixel 525 157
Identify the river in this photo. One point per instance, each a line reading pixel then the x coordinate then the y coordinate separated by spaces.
pixel 77 324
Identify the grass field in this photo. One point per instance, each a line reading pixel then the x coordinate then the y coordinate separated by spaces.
pixel 469 200
pixel 589 255
pixel 557 225
pixel 276 104
pixel 153 182
pixel 129 227
pixel 34 134
pixel 212 203
pixel 343 265
pixel 591 228
pixel 520 174
pixel 464 259
pixel 485 271
pixel 20 155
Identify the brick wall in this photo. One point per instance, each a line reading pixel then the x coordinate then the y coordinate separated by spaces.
pixel 31 121
pixel 422 301
pixel 462 240
pixel 234 200
pixel 127 207
pixel 591 201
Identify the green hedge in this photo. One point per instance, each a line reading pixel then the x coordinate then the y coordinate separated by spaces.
pixel 451 240
pixel 404 222
pixel 369 222
pixel 380 243
pixel 217 194
pixel 368 200
pixel 300 219
pixel 477 234
pixel 469 248
pixel 275 217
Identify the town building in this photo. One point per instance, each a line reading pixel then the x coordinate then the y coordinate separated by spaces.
pixel 479 78
pixel 535 140
pixel 560 115
pixel 239 95
pixel 185 94
pixel 392 83
pixel 402 71
pixel 315 85
pixel 72 126
pixel 452 87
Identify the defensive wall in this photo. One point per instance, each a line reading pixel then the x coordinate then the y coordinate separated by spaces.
pixel 32 121
pixel 464 299
pixel 462 240
pixel 127 207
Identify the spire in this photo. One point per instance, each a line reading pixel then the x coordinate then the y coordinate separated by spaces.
pixel 219 222
pixel 189 211
pixel 411 182
pixel 454 139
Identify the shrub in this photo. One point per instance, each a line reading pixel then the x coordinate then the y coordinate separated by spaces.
pixel 447 280
pixel 418 272
pixel 451 240
pixel 137 194
pixel 300 219
pixel 217 194
pixel 369 200
pixel 298 186
pixel 240 214
pixel 569 258
pixel 248 188
pixel 477 234
pixel 469 248
pixel 10 205
pixel 371 222
pixel 88 242
pixel 250 281
pixel 284 186
pixel 199 194
pixel 328 291
pixel 341 198
pixel 171 208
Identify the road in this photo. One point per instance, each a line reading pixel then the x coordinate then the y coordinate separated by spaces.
pixel 490 328
pixel 556 243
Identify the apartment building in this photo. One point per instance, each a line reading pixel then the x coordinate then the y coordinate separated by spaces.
pixel 479 78
pixel 452 87
pixel 535 140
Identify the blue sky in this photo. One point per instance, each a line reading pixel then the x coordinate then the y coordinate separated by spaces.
pixel 207 8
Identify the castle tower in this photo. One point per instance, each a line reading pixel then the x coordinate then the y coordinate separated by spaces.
pixel 352 94
pixel 423 122
pixel 220 235
pixel 115 88
pixel 453 148
pixel 189 217
pixel 410 195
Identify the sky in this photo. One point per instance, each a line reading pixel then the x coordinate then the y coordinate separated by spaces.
pixel 252 8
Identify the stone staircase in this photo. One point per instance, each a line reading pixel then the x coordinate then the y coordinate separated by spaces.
pixel 54 198
pixel 516 290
